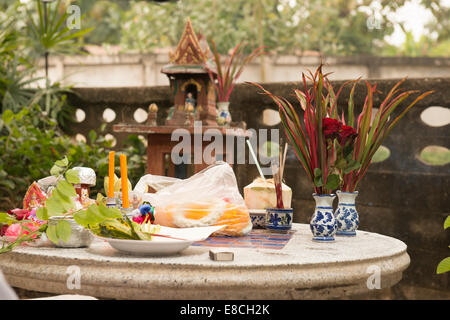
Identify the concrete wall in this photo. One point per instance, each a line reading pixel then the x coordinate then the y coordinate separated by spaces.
pixel 400 197
pixel 144 70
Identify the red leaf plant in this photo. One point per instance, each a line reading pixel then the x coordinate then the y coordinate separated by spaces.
pixel 229 73
pixel 371 134
pixel 336 152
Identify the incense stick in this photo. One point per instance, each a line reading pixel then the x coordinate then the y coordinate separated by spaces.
pixel 276 172
pixel 284 160
pixel 256 160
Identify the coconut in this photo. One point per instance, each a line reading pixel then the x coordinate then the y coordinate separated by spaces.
pixel 261 194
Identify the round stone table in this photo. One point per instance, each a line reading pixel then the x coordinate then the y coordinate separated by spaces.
pixel 303 269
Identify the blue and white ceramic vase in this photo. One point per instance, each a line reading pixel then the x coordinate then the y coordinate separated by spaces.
pixel 323 224
pixel 346 215
pixel 279 220
pixel 223 114
pixel 258 217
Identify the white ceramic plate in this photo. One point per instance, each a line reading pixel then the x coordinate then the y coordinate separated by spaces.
pixel 161 245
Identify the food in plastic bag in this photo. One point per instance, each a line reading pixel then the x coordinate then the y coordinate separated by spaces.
pixel 208 198
pixel 206 213
pixel 261 194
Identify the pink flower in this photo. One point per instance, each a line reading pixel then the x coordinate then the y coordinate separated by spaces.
pixel 15 230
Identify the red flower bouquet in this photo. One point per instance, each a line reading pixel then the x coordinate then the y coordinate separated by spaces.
pixel 336 152
pixel 314 138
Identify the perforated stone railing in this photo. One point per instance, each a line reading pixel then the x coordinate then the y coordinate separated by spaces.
pixel 97 106
pixel 114 105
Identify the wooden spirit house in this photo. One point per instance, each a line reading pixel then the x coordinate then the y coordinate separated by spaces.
pixel 191 86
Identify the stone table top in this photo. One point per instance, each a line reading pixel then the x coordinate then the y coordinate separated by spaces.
pixel 303 269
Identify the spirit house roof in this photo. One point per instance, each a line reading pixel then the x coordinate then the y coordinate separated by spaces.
pixel 190 54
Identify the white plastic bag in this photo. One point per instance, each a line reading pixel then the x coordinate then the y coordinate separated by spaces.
pixel 154 182
pixel 210 197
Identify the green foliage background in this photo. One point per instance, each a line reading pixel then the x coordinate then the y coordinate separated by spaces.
pixel 333 27
pixel 35 119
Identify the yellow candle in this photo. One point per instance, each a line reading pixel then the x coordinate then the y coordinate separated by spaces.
pixel 111 175
pixel 124 180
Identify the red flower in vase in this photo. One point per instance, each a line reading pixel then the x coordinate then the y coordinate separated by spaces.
pixel 331 128
pixel 346 134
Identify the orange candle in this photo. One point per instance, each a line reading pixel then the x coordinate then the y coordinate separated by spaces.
pixel 111 175
pixel 124 180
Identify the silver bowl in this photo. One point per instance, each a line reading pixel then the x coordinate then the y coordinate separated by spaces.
pixel 79 237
